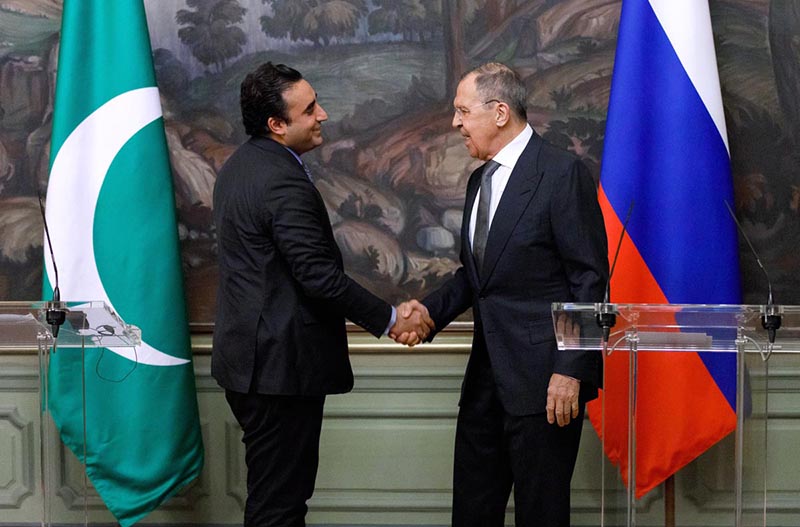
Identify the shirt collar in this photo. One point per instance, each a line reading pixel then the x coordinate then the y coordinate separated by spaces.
pixel 294 154
pixel 509 154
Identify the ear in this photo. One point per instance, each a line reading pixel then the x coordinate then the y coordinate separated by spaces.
pixel 276 125
pixel 502 115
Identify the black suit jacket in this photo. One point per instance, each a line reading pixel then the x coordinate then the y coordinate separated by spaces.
pixel 283 295
pixel 547 243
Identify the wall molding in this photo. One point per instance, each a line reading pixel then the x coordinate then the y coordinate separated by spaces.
pixel 386 453
pixel 20 459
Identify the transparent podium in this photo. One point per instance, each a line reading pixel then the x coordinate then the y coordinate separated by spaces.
pixel 25 325
pixel 738 480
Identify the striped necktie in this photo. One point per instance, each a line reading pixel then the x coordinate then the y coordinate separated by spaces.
pixel 482 218
pixel 307 171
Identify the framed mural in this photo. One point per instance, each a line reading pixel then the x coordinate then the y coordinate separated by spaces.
pixel 392 171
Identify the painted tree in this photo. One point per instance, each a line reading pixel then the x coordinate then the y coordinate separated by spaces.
pixel 173 77
pixel 316 20
pixel 211 31
pixel 432 23
pixel 496 12
pixel 453 13
pixel 784 43
pixel 402 17
pixel 456 16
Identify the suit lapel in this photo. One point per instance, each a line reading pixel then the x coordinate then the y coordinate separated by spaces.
pixel 519 191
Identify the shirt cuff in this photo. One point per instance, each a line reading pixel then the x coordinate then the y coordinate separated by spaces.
pixel 392 320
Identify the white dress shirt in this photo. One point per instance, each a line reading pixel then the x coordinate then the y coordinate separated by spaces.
pixel 507 158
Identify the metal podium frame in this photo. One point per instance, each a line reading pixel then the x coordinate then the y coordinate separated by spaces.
pixel 25 325
pixel 638 328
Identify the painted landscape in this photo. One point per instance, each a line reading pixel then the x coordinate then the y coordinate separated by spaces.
pixel 392 171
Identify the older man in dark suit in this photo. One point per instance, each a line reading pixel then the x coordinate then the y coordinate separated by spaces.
pixel 532 234
pixel 279 340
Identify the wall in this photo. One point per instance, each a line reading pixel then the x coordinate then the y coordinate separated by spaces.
pixel 386 454
pixel 392 171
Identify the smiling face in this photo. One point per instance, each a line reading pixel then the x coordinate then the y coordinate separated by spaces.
pixel 302 130
pixel 477 120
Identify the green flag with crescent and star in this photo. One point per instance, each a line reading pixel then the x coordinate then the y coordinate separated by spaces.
pixel 111 214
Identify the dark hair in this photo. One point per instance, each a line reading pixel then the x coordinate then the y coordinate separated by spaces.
pixel 494 80
pixel 261 96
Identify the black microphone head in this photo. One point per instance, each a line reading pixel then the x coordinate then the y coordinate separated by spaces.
pixel 55 317
pixel 606 318
pixel 772 323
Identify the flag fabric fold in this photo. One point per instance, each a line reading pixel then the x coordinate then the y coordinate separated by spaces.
pixel 111 212
pixel 666 150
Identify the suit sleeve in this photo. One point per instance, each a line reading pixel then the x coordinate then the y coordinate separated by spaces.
pixel 301 230
pixel 449 301
pixel 454 296
pixel 580 236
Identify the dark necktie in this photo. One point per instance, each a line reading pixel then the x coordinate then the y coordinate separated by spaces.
pixel 482 218
pixel 308 172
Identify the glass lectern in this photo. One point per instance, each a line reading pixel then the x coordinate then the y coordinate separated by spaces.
pixel 24 325
pixel 640 329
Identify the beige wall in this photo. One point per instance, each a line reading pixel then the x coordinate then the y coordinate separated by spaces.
pixel 386 452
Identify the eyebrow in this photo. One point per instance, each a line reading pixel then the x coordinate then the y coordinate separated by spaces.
pixel 311 104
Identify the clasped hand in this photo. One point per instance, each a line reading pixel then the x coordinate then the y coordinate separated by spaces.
pixel 413 324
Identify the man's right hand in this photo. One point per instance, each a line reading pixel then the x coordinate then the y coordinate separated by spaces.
pixel 413 324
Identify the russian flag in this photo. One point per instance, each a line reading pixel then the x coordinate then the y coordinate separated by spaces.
pixel 666 149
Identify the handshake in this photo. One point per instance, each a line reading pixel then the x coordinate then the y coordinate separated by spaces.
pixel 413 324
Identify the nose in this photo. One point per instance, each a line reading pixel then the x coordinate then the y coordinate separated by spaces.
pixel 322 115
pixel 456 123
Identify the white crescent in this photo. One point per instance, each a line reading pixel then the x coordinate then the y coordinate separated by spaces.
pixel 75 180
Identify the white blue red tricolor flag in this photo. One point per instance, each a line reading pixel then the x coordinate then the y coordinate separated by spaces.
pixel 666 149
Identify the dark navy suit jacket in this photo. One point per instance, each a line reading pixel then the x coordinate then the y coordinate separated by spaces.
pixel 283 295
pixel 547 243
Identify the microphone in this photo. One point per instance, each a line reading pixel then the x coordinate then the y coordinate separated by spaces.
pixel 55 316
pixel 771 319
pixel 607 318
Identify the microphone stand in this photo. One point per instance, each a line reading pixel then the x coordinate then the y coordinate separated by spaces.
pixel 55 314
pixel 771 317
pixel 606 315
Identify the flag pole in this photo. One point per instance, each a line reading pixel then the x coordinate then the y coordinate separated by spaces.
pixel 669 501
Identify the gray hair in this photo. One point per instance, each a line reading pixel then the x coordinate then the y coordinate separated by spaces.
pixel 494 80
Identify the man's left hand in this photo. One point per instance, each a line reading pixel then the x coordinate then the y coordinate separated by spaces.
pixel 562 399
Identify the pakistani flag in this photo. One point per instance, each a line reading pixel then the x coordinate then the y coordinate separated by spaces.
pixel 111 212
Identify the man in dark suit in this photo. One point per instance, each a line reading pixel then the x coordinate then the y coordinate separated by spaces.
pixel 279 340
pixel 532 234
